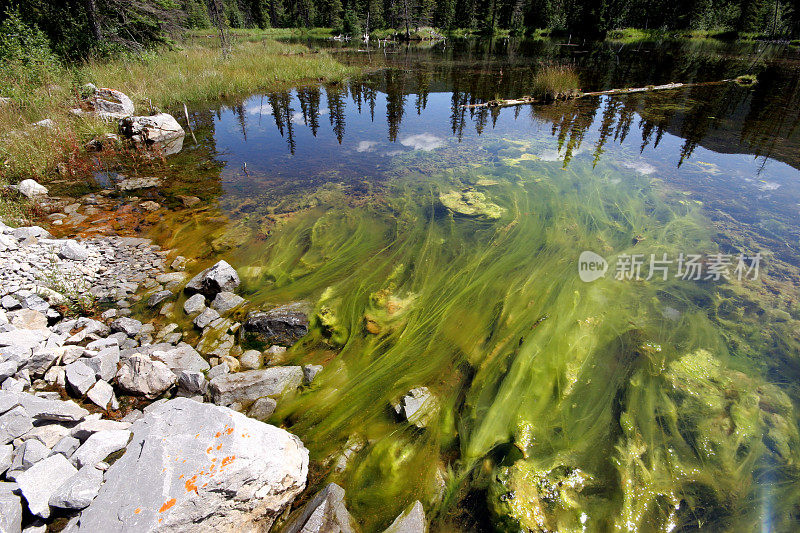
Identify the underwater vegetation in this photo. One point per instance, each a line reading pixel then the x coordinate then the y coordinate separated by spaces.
pixel 467 365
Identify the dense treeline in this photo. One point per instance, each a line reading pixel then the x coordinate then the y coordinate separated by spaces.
pixel 77 28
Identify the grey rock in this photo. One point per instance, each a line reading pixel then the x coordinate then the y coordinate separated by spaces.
pixel 23 339
pixel 30 188
pixel 14 423
pixel 11 507
pixel 262 408
pixel 283 325
pixel 412 520
pixel 80 377
pixel 66 446
pixel 99 446
pixel 31 232
pixel 254 384
pixel 251 360
pixel 325 513
pixel 205 318
pixel 220 277
pixel 29 453
pixel 10 303
pixel 41 480
pixel 183 357
pixel 129 326
pixel 41 360
pixel 101 394
pixel 27 319
pixel 6 455
pixel 41 408
pixel 226 301
pixel 8 369
pixel 418 406
pixel 87 428
pixel 218 370
pixel 157 298
pixel 47 434
pixel 105 363
pixel 310 372
pixel 79 490
pixel 141 375
pixel 192 381
pixel 262 469
pixel 71 249
pixel 132 184
pixel 108 104
pixel 194 304
pixel 151 129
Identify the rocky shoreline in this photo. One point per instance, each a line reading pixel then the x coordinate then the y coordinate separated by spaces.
pixel 109 423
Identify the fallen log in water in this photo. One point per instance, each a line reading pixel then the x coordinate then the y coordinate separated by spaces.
pixel 572 95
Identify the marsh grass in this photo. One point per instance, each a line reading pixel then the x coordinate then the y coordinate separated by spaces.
pixel 153 80
pixel 553 82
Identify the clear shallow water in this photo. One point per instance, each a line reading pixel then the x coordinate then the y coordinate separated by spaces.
pixel 439 247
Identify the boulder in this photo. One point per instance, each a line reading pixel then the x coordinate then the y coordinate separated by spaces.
pixel 253 384
pixel 283 325
pixel 211 281
pixel 27 319
pixel 41 408
pixel 262 408
pixel 251 359
pixel 100 445
pixel 11 507
pixel 102 395
pixel 205 318
pixel 66 446
pixel 31 189
pixel 412 520
pixel 31 232
pixel 105 363
pixel 141 375
pixel 193 466
pixel 78 491
pixel 158 297
pixel 129 326
pixel 80 377
pixel 226 301
pixel 132 184
pixel 41 480
pixel 158 128
pixel 6 455
pixel 108 104
pixel 71 249
pixel 183 357
pixel 192 381
pixel 47 434
pixel 14 423
pixel 325 513
pixel 87 428
pixel 310 372
pixel 194 304
pixel 28 454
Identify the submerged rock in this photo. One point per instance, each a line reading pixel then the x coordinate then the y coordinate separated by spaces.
pixel 471 203
pixel 283 325
pixel 325 513
pixel 412 520
pixel 418 407
pixel 193 466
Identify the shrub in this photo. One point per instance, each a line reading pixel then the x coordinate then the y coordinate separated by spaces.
pixel 25 54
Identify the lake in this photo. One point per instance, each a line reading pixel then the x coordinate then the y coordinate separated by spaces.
pixel 580 316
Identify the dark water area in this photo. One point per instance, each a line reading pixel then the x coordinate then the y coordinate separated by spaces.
pixel 440 247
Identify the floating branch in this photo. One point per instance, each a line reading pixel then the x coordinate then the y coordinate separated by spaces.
pixel 574 94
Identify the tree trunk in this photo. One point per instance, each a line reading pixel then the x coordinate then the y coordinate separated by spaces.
pixel 94 24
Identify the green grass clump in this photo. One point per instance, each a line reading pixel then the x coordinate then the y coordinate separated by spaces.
pixel 553 82
pixel 40 88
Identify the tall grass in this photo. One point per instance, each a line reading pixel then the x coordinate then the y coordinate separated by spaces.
pixel 554 82
pixel 198 72
pixel 161 79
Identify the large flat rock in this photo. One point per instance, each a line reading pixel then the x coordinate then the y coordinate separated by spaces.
pixel 253 384
pixel 199 467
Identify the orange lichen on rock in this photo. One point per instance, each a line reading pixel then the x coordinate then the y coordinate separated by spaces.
pixel 167 504
pixel 190 484
pixel 137 510
pixel 228 460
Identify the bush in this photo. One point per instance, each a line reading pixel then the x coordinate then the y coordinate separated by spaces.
pixel 25 54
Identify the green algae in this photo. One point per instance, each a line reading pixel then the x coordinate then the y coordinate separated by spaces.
pixel 572 396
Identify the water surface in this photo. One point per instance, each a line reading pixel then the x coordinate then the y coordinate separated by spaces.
pixel 438 246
